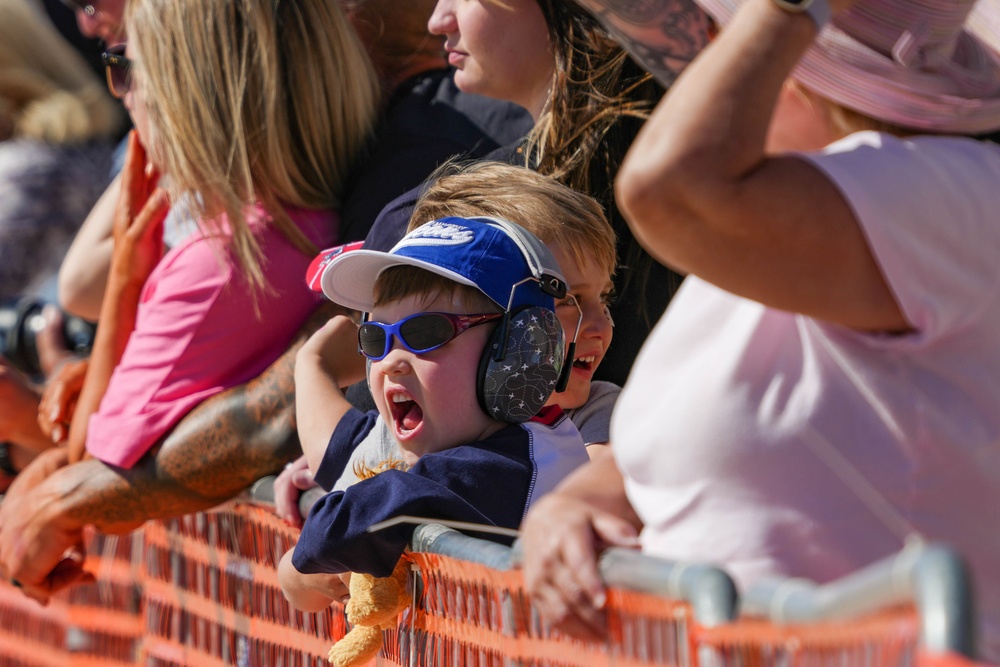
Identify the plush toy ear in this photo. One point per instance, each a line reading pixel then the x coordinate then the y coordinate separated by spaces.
pixel 374 605
pixel 358 647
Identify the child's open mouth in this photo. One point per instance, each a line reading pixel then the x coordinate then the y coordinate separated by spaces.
pixel 585 363
pixel 406 414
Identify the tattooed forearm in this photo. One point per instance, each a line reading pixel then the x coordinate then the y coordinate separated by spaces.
pixel 662 35
pixel 214 453
pixel 636 12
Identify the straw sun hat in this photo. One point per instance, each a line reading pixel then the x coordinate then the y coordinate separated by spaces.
pixel 922 64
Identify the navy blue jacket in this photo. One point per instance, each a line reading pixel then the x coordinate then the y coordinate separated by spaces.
pixel 489 482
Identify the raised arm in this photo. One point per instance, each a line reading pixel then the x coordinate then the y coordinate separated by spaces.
pixel 708 191
pixel 327 364
pixel 138 247
pixel 83 273
pixel 663 36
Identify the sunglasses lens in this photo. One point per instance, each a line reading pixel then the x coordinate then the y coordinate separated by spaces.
pixel 419 333
pixel 425 332
pixel 371 339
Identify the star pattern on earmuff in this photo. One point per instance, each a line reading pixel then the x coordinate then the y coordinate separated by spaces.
pixel 516 386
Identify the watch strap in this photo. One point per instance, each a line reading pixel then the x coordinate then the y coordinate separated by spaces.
pixel 817 10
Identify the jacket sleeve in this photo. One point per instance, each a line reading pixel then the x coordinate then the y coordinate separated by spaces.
pixel 464 484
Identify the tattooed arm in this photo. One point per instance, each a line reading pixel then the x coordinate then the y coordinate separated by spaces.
pixel 214 453
pixel 661 35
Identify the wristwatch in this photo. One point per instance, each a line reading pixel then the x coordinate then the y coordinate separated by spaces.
pixel 817 10
pixel 6 465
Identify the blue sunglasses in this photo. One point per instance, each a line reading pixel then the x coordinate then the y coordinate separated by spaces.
pixel 418 333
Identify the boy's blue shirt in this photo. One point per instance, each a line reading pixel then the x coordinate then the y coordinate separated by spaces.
pixel 488 482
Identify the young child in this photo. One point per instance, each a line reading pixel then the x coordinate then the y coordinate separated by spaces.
pixel 463 348
pixel 572 225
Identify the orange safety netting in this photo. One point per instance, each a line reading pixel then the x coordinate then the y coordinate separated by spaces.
pixel 212 595
pixel 202 590
pixel 887 638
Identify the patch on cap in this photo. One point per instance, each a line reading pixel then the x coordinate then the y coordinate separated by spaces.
pixel 437 233
pixel 314 274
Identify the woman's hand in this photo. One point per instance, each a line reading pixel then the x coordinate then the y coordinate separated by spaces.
pixel 55 411
pixel 562 537
pixel 138 225
pixel 43 552
pixel 288 487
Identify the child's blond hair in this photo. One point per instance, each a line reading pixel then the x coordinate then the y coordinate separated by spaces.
pixel 555 213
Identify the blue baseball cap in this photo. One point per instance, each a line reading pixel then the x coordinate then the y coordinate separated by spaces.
pixel 499 258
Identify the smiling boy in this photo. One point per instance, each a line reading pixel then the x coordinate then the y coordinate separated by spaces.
pixel 463 348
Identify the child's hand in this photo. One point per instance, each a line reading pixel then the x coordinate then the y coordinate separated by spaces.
pixel 310 592
pixel 288 487
pixel 335 348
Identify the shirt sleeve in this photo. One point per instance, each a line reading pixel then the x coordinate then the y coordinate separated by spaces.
pixel 593 418
pixel 198 331
pixel 468 483
pixel 927 207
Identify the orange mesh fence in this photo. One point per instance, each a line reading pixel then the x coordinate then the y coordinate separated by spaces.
pixel 105 617
pixel 212 594
pixel 469 614
pixel 885 639
pixel 31 635
pixel 95 624
pixel 202 590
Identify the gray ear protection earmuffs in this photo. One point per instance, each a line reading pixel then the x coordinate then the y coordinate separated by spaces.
pixel 525 358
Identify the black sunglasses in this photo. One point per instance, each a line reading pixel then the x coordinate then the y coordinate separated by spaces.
pixel 119 70
pixel 84 7
pixel 418 333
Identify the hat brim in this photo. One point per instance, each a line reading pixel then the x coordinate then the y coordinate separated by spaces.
pixel 841 69
pixel 350 278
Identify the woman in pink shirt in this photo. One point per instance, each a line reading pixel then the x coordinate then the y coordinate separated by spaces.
pixel 253 114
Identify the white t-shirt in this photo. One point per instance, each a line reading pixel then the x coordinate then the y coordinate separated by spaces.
pixel 775 444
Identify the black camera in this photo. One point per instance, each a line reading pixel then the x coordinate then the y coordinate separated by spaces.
pixel 19 327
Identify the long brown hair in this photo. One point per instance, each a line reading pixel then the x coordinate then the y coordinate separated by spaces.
pixel 598 102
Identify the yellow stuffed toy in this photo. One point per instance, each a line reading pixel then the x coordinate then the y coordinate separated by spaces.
pixel 374 605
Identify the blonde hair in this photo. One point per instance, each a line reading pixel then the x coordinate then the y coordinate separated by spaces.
pixel 363 471
pixel 47 92
pixel 267 101
pixel 555 213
